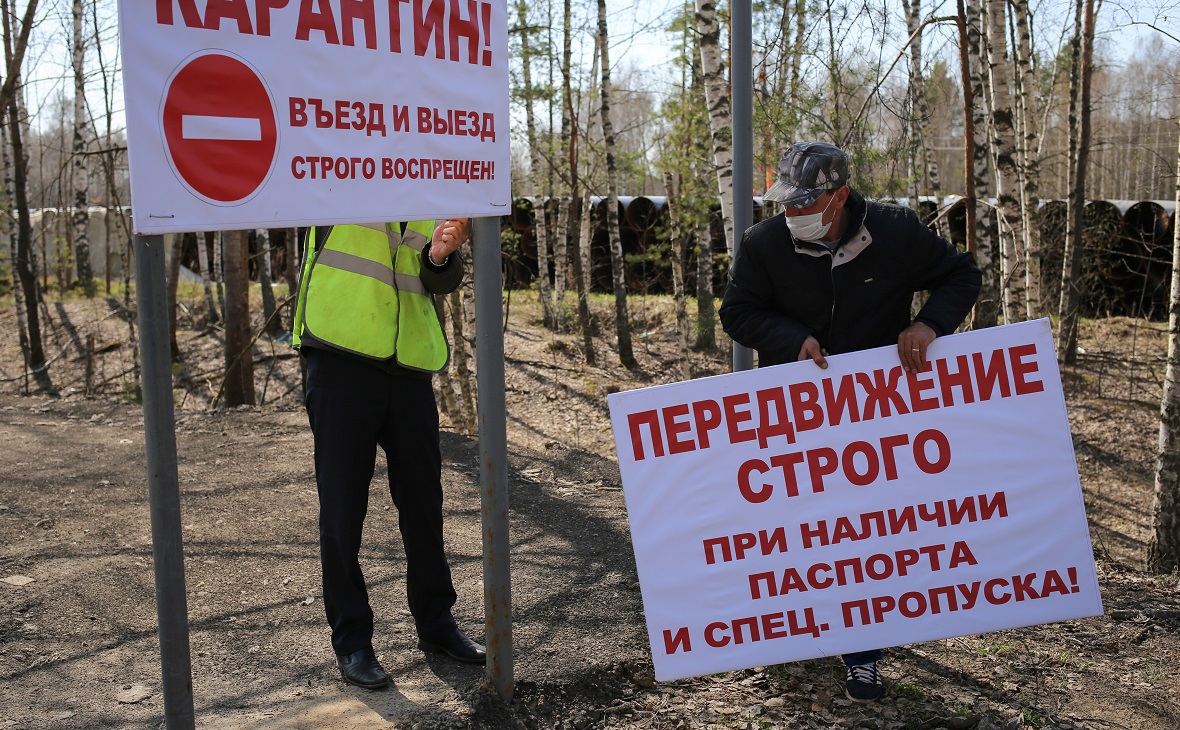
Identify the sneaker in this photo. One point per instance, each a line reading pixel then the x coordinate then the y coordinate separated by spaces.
pixel 863 683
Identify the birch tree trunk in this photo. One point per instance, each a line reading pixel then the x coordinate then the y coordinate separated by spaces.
pixel 1029 170
pixel 969 145
pixel 1079 153
pixel 571 145
pixel 921 106
pixel 290 269
pixel 558 233
pixel 706 324
pixel 81 181
pixel 25 260
pixel 622 318
pixel 587 224
pixel 218 262
pixel 22 323
pixel 291 260
pixel 566 205
pixel 204 241
pixel 108 158
pixel 1012 270
pixel 1163 553
pixel 561 262
pixel 444 384
pixel 706 311
pixel 580 259
pixel 987 306
pixel 540 229
pixel 677 250
pixel 461 361
pixel 239 355
pixel 717 99
pixel 274 327
pixel 585 238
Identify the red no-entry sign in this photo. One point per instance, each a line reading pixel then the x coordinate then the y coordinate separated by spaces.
pixel 219 128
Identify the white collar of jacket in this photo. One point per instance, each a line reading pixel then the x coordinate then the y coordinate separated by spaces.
pixel 850 246
pixel 848 251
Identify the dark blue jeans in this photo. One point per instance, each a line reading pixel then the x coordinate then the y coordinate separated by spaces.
pixel 862 657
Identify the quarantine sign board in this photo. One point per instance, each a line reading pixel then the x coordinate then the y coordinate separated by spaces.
pixel 791 512
pixel 272 113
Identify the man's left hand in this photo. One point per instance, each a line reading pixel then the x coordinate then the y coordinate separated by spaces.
pixel 912 345
pixel 448 236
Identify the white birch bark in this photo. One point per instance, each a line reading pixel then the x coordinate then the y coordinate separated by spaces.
pixel 585 241
pixel 81 218
pixel 622 317
pixel 1163 553
pixel 461 361
pixel 274 325
pixel 677 250
pixel 1082 49
pixel 570 144
pixel 986 313
pixel 1029 169
pixel 206 275
pixel 1012 272
pixel 14 255
pixel 921 107
pixel 706 310
pixel 219 270
pixel 540 229
pixel 717 99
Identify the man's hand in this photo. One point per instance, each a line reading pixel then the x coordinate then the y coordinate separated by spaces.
pixel 912 345
pixel 812 351
pixel 448 236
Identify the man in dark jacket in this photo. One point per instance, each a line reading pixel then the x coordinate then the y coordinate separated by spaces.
pixel 836 273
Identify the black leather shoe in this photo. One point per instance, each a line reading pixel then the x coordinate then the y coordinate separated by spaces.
pixel 362 669
pixel 455 644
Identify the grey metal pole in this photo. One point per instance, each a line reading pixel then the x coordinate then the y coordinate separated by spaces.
pixel 493 453
pixel 159 427
pixel 741 94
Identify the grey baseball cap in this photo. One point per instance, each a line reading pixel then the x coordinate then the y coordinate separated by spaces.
pixel 806 171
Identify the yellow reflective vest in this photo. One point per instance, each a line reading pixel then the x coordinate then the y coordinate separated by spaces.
pixel 361 293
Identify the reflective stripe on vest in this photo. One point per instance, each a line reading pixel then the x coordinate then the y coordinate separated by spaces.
pixel 371 269
pixel 361 293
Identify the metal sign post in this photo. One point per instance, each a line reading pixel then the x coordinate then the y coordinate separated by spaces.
pixel 159 428
pixel 493 453
pixel 741 94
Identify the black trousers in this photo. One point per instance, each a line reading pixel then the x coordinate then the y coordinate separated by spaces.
pixel 354 407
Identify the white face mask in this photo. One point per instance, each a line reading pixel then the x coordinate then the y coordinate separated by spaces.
pixel 810 227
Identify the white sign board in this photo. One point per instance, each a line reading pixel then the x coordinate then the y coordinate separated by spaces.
pixel 274 113
pixel 791 512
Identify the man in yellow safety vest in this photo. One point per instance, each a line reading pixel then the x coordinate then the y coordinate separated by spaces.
pixel 365 322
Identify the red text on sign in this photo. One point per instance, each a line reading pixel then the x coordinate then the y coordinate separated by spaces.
pixel 771 414
pixel 451 30
pixel 960 597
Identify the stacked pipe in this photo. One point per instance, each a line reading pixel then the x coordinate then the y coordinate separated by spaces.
pixel 1127 263
pixel 1127 252
pixel 1127 260
pixel 644 224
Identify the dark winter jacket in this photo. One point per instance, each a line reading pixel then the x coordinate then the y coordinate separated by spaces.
pixel 854 298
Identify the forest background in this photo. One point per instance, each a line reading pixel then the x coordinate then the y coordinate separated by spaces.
pixel 1056 106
